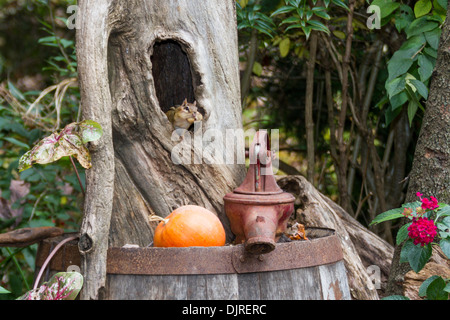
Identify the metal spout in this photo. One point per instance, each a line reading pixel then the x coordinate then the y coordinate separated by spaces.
pixel 260 229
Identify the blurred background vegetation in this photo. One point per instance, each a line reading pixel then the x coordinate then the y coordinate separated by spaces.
pixel 347 99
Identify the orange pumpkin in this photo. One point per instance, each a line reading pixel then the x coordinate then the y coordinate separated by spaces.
pixel 190 226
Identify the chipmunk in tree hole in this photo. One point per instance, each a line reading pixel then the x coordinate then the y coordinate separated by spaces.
pixel 182 117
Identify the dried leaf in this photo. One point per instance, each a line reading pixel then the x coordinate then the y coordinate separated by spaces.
pixel 69 142
pixel 298 234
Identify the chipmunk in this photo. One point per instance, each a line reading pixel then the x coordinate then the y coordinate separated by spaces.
pixel 182 117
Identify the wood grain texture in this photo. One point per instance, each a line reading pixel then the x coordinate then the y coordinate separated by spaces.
pixel 325 282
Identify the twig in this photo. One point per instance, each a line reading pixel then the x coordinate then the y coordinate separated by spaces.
pixel 309 122
pixel 78 176
pixel 35 204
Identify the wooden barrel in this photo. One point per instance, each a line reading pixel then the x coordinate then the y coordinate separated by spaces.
pixel 305 270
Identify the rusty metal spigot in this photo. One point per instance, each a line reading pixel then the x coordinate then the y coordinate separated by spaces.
pixel 258 209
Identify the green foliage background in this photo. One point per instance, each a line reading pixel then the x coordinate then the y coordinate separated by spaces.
pixel 37 51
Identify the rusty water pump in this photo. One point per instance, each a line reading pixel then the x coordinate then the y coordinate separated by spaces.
pixel 258 209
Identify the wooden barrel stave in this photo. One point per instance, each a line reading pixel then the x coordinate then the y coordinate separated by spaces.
pixel 326 282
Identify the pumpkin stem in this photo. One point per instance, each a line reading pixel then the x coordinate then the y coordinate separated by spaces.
pixel 154 217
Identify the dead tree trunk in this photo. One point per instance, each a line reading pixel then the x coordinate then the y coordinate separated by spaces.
pixel 136 59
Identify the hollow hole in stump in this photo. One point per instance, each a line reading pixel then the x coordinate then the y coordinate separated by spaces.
pixel 173 76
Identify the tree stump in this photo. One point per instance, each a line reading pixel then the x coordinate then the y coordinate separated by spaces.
pixel 136 59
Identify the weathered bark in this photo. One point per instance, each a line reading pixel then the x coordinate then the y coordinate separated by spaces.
pixel 137 59
pixel 92 38
pixel 430 172
pixel 362 248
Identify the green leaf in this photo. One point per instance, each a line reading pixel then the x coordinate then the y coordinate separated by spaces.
pixel 398 100
pixel 339 34
pixel 319 26
pixel 424 286
pixel 444 211
pixel 290 20
pixel 421 88
pixel 412 205
pixel 243 3
pixel 435 289
pixel 341 4
pixel 15 92
pixel 402 233
pixel 431 52
pixel 418 256
pixel 284 9
pixel 412 110
pixel 412 96
pixel 433 37
pixel 386 7
pixel 403 17
pixel 447 288
pixel 443 3
pixel 263 29
pixel 399 64
pixel 294 26
pixel 420 25
pixel 395 86
pixel 284 47
pixel 406 248
pixel 16 142
pixel 321 13
pixel 307 31
pixel 3 290
pixel 445 246
pixel 422 7
pixel 388 215
pixel 411 46
pixel 257 68
pixel 426 67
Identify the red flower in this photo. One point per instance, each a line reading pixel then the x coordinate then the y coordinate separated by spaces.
pixel 422 231
pixel 430 204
